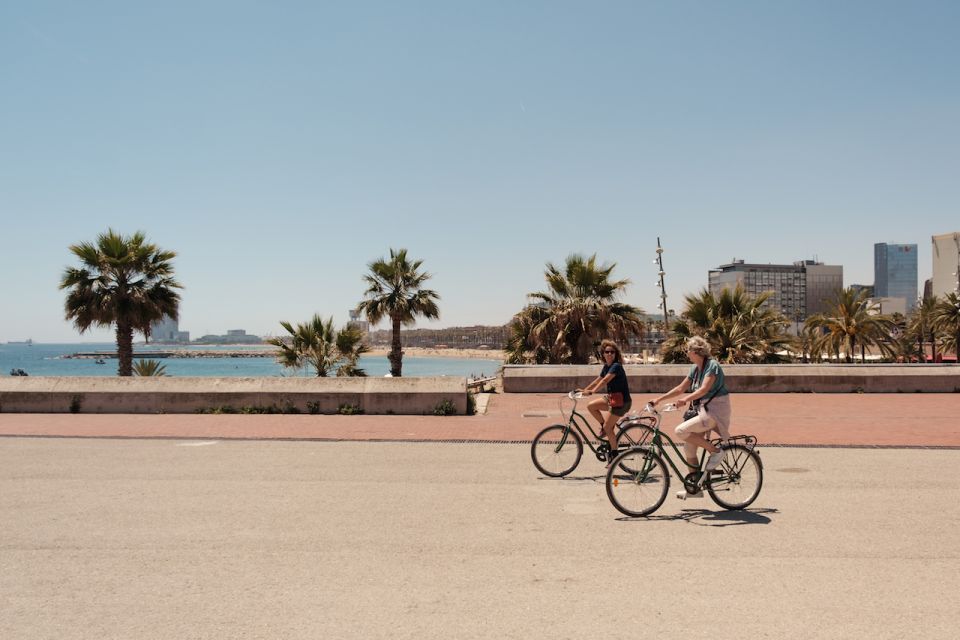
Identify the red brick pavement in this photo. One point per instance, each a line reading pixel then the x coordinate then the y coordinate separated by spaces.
pixel 794 419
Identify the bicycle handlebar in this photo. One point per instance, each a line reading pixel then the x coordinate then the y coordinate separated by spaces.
pixel 666 408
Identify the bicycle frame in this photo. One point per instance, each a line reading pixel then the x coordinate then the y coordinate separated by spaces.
pixel 577 421
pixel 656 442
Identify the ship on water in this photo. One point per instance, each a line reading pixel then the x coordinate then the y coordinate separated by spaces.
pixel 28 342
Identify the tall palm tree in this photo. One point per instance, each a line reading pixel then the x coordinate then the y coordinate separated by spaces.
pixel 851 322
pixel 318 345
pixel 123 281
pixel 920 326
pixel 395 291
pixel 565 323
pixel 739 327
pixel 946 319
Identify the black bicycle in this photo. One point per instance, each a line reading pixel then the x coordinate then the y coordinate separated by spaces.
pixel 557 449
pixel 638 480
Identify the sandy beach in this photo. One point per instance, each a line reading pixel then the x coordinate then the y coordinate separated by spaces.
pixel 430 352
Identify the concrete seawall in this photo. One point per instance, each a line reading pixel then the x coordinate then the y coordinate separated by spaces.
pixel 790 378
pixel 401 396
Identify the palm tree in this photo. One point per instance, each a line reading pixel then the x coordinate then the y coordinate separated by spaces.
pixel 123 281
pixel 524 345
pixel 394 291
pixel 317 344
pixel 851 321
pixel 920 327
pixel 739 327
pixel 149 368
pixel 350 346
pixel 946 319
pixel 565 323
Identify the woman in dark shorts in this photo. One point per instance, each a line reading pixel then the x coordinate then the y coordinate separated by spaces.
pixel 617 399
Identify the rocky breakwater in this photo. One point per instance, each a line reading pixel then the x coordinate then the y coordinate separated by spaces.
pixel 180 353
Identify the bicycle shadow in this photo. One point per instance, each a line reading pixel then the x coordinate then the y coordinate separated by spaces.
pixel 708 518
pixel 601 479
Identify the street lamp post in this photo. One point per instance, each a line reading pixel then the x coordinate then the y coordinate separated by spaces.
pixel 663 290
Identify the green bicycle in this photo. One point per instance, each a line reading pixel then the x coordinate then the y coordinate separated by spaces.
pixel 638 480
pixel 557 449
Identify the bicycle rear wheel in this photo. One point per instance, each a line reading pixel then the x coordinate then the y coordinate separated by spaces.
pixel 637 482
pixel 556 450
pixel 736 483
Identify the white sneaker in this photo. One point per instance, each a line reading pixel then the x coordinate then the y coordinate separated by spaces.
pixel 683 495
pixel 714 460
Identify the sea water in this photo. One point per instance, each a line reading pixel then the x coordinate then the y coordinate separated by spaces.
pixel 50 360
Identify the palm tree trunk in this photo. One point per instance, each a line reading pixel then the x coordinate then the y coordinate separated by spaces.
pixel 396 350
pixel 124 349
pixel 863 353
pixel 933 346
pixel 923 356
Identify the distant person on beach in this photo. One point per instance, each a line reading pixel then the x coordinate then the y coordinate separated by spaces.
pixel 617 399
pixel 705 380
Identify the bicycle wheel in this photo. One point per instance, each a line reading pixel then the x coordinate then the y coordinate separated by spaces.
pixel 556 450
pixel 736 483
pixel 635 434
pixel 637 493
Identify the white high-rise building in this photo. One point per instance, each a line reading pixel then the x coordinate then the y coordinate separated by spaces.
pixel 946 263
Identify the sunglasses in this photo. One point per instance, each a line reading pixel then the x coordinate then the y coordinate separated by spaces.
pixel 609 351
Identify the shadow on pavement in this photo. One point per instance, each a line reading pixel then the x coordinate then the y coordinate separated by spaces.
pixel 708 518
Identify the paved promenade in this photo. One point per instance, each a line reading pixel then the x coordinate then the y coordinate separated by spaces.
pixel 206 526
pixel 106 539
pixel 790 419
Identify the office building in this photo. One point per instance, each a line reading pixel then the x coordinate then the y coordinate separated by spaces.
pixel 798 290
pixel 168 330
pixel 946 263
pixel 895 272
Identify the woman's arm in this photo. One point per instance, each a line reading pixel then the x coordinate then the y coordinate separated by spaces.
pixel 593 386
pixel 702 391
pixel 587 390
pixel 677 390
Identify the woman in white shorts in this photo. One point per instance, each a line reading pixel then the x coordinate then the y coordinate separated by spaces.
pixel 705 383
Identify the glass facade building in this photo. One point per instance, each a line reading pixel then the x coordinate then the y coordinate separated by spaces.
pixel 895 272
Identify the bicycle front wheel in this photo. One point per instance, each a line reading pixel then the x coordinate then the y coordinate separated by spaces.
pixel 736 483
pixel 637 482
pixel 556 450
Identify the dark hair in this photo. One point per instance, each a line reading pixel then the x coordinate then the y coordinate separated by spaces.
pixel 610 343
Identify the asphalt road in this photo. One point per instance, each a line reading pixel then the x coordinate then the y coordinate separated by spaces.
pixel 239 539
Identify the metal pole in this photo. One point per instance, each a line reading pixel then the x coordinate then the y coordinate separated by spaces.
pixel 663 290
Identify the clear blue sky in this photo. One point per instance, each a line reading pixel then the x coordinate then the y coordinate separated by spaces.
pixel 279 147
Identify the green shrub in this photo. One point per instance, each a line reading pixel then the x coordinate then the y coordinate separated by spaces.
pixel 349 410
pixel 445 408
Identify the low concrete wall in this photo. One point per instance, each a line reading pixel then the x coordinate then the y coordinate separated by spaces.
pixel 788 378
pixel 410 396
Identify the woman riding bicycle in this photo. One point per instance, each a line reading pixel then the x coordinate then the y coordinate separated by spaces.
pixel 617 399
pixel 705 380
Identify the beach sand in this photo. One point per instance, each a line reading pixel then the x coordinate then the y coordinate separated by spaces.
pixel 430 352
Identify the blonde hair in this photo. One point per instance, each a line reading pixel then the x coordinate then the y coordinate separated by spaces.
pixel 699 346
pixel 610 343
